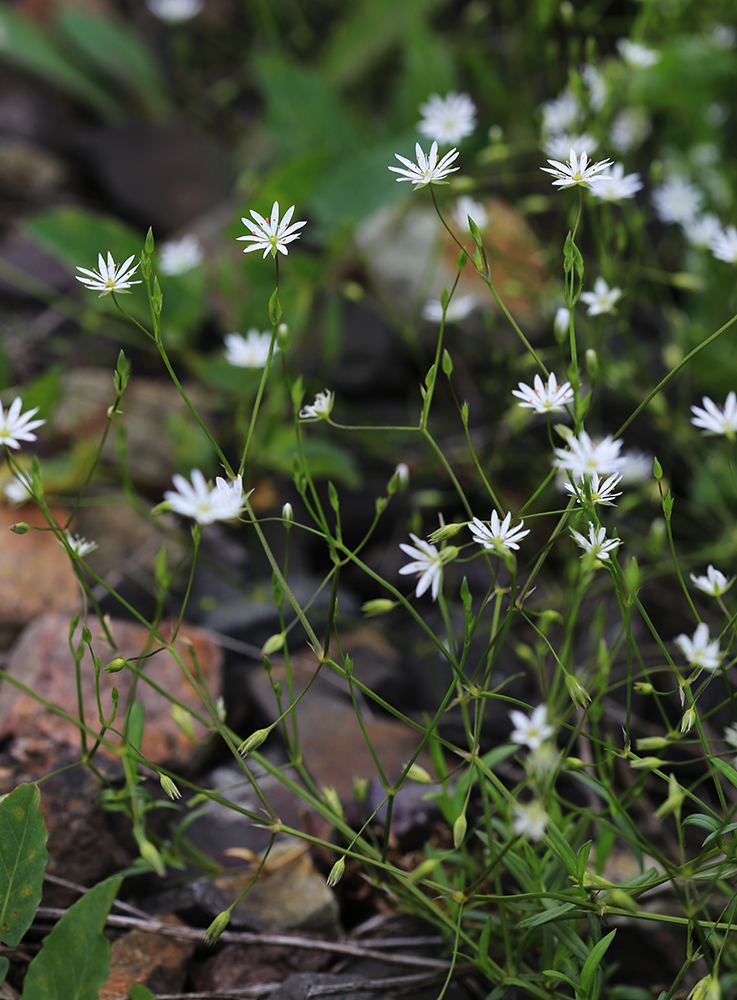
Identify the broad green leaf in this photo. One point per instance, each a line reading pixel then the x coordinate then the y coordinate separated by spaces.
pixel 74 959
pixel 140 992
pixel 23 859
pixel 593 962
pixel 29 46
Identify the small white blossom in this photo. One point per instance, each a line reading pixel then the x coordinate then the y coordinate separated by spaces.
pixel 320 409
pixel 561 114
pixel 562 321
pixel 637 467
pixel 530 820
pixel 713 419
pixel 466 207
pixel 730 734
pixel 724 245
pixel 578 170
pixel 180 256
pixel 19 489
pixel 596 85
pixel 700 651
pixel 175 11
pixel 722 36
pixel 197 500
pixel 16 426
pixel 458 308
pixel 584 457
pixel 447 119
pixel 109 277
pixel 402 474
pixel 427 170
pixel 597 544
pixel 251 351
pixel 427 564
pixel 272 234
pixel 677 200
pixel 498 533
pixel 600 490
pixel 602 300
pixel 559 144
pixel 635 55
pixel 531 730
pixel 614 185
pixel 714 583
pixel 80 546
pixel 630 128
pixel 544 397
pixel 702 230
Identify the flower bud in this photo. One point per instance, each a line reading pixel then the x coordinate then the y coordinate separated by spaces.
pixel 459 830
pixel 576 691
pixel 169 787
pixel 282 336
pixel 20 528
pixel 217 927
pixel 644 687
pixel 183 721
pixel 706 989
pixel 116 665
pixel 561 323
pixel 379 606
pixel 688 721
pixel 447 531
pixel 336 873
pixel 287 513
pixel 151 856
pixel 645 763
pixel 420 775
pixel 331 797
pixel 254 741
pixel 592 363
pixel 652 742
pixel 273 644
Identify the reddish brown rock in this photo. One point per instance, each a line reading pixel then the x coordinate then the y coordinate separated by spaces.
pixel 154 960
pixel 42 661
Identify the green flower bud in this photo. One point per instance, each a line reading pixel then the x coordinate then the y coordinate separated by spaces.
pixel 116 665
pixel 379 606
pixel 20 528
pixel 217 927
pixel 254 741
pixel 459 830
pixel 273 644
pixel 169 787
pixel 336 873
pixel 420 775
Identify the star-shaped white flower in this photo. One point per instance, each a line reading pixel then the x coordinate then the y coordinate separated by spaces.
pixel 447 119
pixel 630 128
pixel 544 397
pixel 724 245
pixel 702 230
pixel 601 490
pixel 80 546
pixel 16 426
pixel 597 544
pixel 498 534
pixel 427 564
pixel 700 651
pixel 637 56
pixel 109 277
pixel 180 256
pixel 466 207
pixel 197 500
pixel 714 419
pixel 530 820
pixel 559 144
pixel 714 583
pixel 584 457
pixel 603 298
pixel 614 184
pixel 272 234
pixel 578 170
pixel 561 114
pixel 677 200
pixel 320 409
pixel 427 170
pixel 251 351
pixel 458 308
pixel 19 489
pixel 531 730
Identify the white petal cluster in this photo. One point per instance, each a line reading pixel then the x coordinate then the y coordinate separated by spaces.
pixel 180 256
pixel 715 419
pixel 16 426
pixel 677 200
pixel 584 456
pixel 599 490
pixel 109 276
pixel 447 119
pixel 204 504
pixel 714 583
pixel 80 546
pixel 251 351
pixel 427 563
pixel 531 730
pixel 175 11
pixel 615 185
pixel 700 651
pixel 544 397
pixel 602 300
pixel 272 234
pixel 724 245
pixel 466 207
pixel 637 56
pixel 458 308
pixel 19 489
pixel 428 169
pixel 530 820
pixel 560 144
pixel 498 533
pixel 578 170
pixel 597 544
pixel 320 409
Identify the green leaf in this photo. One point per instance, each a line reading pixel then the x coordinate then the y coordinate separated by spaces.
pixel 4 966
pixel 23 859
pixel 725 769
pixel 593 961
pixel 76 236
pixel 140 992
pixel 565 911
pixel 74 959
pixel 563 849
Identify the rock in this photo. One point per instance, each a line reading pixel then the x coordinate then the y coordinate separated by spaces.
pixel 157 961
pixel 35 571
pixel 248 965
pixel 42 660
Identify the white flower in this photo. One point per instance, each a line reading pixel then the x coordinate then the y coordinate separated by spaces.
pixel 251 351
pixel 702 230
pixel 458 308
pixel 180 256
pixel 447 119
pixel 713 419
pixel 466 206
pixel 205 505
pixel 578 170
pixel 109 277
pixel 601 490
pixel 724 245
pixel 602 300
pixel 530 819
pixel 700 651
pixel 402 474
pixel 545 396
pixel 427 170
pixel 498 534
pixel 730 734
pixel 175 11
pixel 677 200
pixel 271 234
pixel 584 457
pixel 635 55
pixel 533 730
pixel 723 36
pixel 428 565
pixel 320 409
pixel 637 467
pixel 19 489
pixel 630 128
pixel 562 321
pixel 615 184
pixel 597 88
pixel 597 544
pixel 561 114
pixel 559 144
pixel 16 426
pixel 80 546
pixel 714 583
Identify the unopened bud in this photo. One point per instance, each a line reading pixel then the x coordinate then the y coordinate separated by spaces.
pixel 287 513
pixel 447 531
pixel 254 741
pixel 645 763
pixel 333 800
pixel 282 336
pixel 20 528
pixel 116 665
pixel 576 691
pixel 459 830
pixel 273 644
pixel 379 606
pixel 183 721
pixel 420 775
pixel 706 989
pixel 217 927
pixel 688 721
pixel 652 742
pixel 336 872
pixel 644 687
pixel 169 787
pixel 151 856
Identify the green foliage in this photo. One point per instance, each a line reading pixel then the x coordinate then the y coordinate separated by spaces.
pixel 23 860
pixel 74 959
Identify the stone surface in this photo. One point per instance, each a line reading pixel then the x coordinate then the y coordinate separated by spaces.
pixel 42 660
pixel 35 572
pixel 248 965
pixel 154 960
